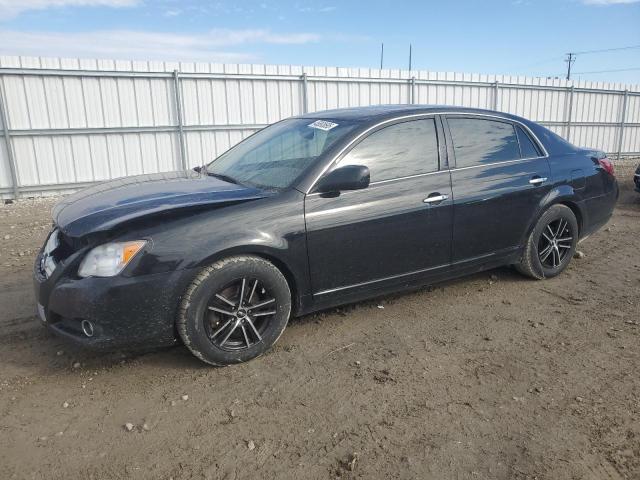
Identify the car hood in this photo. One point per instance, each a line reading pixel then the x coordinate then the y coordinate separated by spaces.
pixel 108 204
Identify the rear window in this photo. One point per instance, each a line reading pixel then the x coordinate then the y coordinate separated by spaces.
pixel 479 141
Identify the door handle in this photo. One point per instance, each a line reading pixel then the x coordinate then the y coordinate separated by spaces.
pixel 435 198
pixel 537 180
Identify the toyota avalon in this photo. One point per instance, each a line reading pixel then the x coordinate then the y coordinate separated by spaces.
pixel 312 212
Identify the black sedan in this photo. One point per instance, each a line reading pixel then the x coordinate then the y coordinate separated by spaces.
pixel 312 212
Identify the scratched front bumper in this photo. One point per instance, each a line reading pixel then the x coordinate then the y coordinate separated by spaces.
pixel 125 312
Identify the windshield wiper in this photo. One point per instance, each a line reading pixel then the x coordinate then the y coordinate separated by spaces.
pixel 221 176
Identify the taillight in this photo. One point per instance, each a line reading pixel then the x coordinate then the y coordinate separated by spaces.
pixel 606 165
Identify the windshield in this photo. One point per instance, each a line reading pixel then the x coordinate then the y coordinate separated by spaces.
pixel 277 155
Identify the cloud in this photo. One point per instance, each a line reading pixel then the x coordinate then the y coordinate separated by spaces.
pixel 12 8
pixel 608 2
pixel 172 12
pixel 316 9
pixel 210 46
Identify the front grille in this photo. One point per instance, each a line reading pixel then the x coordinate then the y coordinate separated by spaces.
pixel 57 248
pixel 66 247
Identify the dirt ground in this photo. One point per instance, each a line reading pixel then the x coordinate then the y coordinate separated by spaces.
pixel 487 377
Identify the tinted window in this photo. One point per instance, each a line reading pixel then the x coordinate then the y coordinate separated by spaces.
pixel 527 148
pixel 400 150
pixel 477 141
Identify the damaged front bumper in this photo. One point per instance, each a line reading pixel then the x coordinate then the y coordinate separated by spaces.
pixel 110 313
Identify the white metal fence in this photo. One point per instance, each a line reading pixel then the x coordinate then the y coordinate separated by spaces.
pixel 67 123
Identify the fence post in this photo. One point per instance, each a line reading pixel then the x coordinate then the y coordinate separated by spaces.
pixel 7 140
pixel 413 90
pixel 495 95
pixel 622 120
pixel 569 114
pixel 305 98
pixel 178 101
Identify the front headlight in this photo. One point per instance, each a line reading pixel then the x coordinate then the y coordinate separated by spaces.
pixel 109 259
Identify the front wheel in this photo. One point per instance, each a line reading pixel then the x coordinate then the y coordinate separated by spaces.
pixel 234 310
pixel 551 244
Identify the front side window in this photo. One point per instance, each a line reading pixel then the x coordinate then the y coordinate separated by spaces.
pixel 400 150
pixel 276 156
pixel 479 141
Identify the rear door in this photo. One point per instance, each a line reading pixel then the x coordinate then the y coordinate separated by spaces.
pixel 499 179
pixel 383 233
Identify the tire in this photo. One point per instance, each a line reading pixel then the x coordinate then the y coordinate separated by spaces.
pixel 537 262
pixel 219 333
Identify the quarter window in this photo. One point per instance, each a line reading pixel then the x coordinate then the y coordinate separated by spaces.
pixel 479 141
pixel 527 147
pixel 400 150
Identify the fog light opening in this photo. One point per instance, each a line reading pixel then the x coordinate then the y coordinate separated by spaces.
pixel 87 328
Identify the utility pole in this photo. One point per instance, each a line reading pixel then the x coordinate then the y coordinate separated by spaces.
pixel 571 57
pixel 381 55
pixel 409 58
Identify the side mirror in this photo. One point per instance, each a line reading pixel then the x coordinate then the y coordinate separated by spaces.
pixel 349 177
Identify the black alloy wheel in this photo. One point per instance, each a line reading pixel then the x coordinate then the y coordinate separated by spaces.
pixel 556 241
pixel 551 244
pixel 234 310
pixel 238 315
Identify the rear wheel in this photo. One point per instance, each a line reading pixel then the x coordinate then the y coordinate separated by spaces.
pixel 234 310
pixel 551 244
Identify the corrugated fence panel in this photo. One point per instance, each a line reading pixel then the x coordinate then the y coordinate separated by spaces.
pixel 78 121
pixel 602 138
pixel 631 140
pixel 633 109
pixel 5 172
pixel 59 159
pixel 5 169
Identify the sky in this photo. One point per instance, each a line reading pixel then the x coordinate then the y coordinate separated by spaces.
pixel 516 37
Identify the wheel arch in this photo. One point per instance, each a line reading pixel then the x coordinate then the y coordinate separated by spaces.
pixel 294 279
pixel 576 211
pixel 561 195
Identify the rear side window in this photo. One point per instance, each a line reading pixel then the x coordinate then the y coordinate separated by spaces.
pixel 527 147
pixel 479 141
pixel 400 150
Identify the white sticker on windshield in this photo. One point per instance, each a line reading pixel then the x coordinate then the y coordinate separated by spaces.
pixel 323 125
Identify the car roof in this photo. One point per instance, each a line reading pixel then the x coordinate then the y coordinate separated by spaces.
pixel 378 113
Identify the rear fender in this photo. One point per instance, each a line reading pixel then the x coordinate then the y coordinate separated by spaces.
pixel 559 194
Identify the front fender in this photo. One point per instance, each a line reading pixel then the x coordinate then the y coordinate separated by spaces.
pixel 272 228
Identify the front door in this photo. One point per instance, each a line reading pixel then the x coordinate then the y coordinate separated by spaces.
pixel 397 227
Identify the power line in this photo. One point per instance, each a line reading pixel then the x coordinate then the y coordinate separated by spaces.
pixel 608 71
pixel 597 71
pixel 535 64
pixel 571 56
pixel 630 47
pixel 584 52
